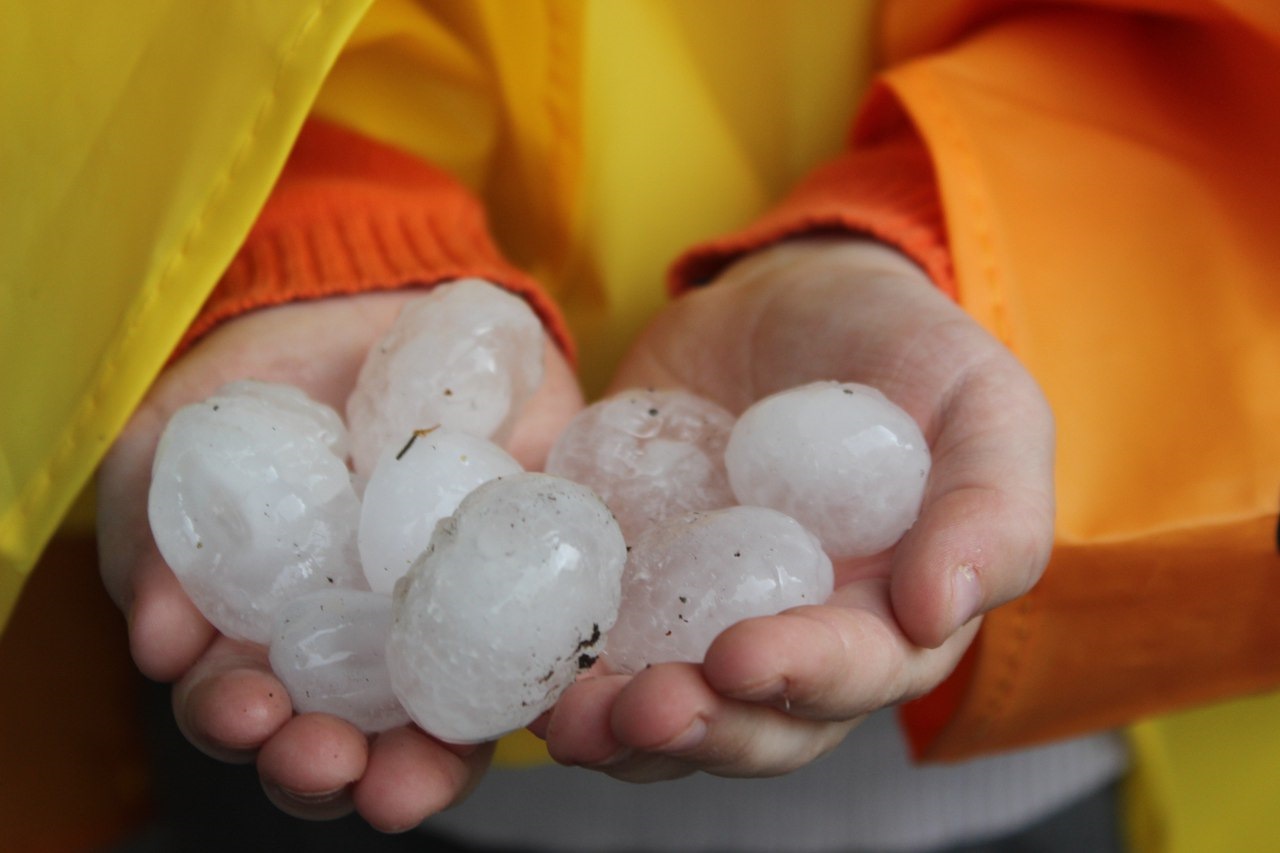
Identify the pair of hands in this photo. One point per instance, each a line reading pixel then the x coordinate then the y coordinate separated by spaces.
pixel 774 693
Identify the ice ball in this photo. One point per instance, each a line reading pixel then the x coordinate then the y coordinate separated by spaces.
pixel 466 356
pixel 649 454
pixel 413 487
pixel 250 505
pixel 691 577
pixel 840 458
pixel 505 607
pixel 329 651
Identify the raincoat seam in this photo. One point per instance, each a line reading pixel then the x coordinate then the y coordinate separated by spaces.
pixel 83 418
pixel 968 173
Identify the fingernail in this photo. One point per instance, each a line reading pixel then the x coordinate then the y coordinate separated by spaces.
pixel 313 798
pixel 687 740
pixel 966 595
pixel 767 691
pixel 617 758
pixel 316 805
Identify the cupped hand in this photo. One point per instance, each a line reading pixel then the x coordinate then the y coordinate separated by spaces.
pixel 776 692
pixel 226 701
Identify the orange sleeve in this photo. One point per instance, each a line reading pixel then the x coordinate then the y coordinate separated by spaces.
pixel 885 190
pixel 1156 595
pixel 349 215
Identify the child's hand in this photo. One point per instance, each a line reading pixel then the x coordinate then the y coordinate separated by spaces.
pixel 776 692
pixel 225 699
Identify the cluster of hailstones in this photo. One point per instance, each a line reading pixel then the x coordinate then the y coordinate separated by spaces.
pixel 402 566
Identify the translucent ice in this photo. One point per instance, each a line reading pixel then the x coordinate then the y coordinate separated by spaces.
pixel 465 356
pixel 250 505
pixel 840 458
pixel 412 487
pixel 691 577
pixel 649 454
pixel 329 650
pixel 506 606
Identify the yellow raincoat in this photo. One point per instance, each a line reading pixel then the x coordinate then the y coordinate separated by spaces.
pixel 141 142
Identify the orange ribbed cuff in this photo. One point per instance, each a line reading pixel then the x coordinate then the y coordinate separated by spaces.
pixel 349 215
pixel 886 191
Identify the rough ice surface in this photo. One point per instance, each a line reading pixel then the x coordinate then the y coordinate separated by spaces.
pixel 466 356
pixel 412 487
pixel 329 651
pixel 649 454
pixel 250 505
pixel 840 458
pixel 290 407
pixel 506 606
pixel 691 577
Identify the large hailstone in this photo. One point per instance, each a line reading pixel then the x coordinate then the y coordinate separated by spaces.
pixel 329 651
pixel 251 506
pixel 466 356
pixel 648 454
pixel 691 577
pixel 840 458
pixel 413 487
pixel 506 606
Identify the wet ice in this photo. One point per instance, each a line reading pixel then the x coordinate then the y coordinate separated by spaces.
pixel 649 454
pixel 329 650
pixel 466 356
pixel 413 486
pixel 840 458
pixel 251 506
pixel 688 579
pixel 506 606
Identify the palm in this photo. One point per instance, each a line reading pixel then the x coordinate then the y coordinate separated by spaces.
pixel 225 698
pixel 775 692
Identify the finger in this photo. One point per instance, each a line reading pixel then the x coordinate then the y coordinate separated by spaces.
pixel 545 415
pixel 579 730
pixel 308 767
pixel 122 482
pixel 167 633
pixel 676 723
pixel 986 527
pixel 411 776
pixel 229 704
pixel 832 662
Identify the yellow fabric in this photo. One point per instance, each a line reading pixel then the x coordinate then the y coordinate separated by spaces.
pixel 605 137
pixel 1207 780
pixel 139 141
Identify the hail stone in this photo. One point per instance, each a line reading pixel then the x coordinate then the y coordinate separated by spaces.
pixel 466 356
pixel 413 487
pixel 329 651
pixel 840 458
pixel 505 607
pixel 649 454
pixel 691 577
pixel 250 505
